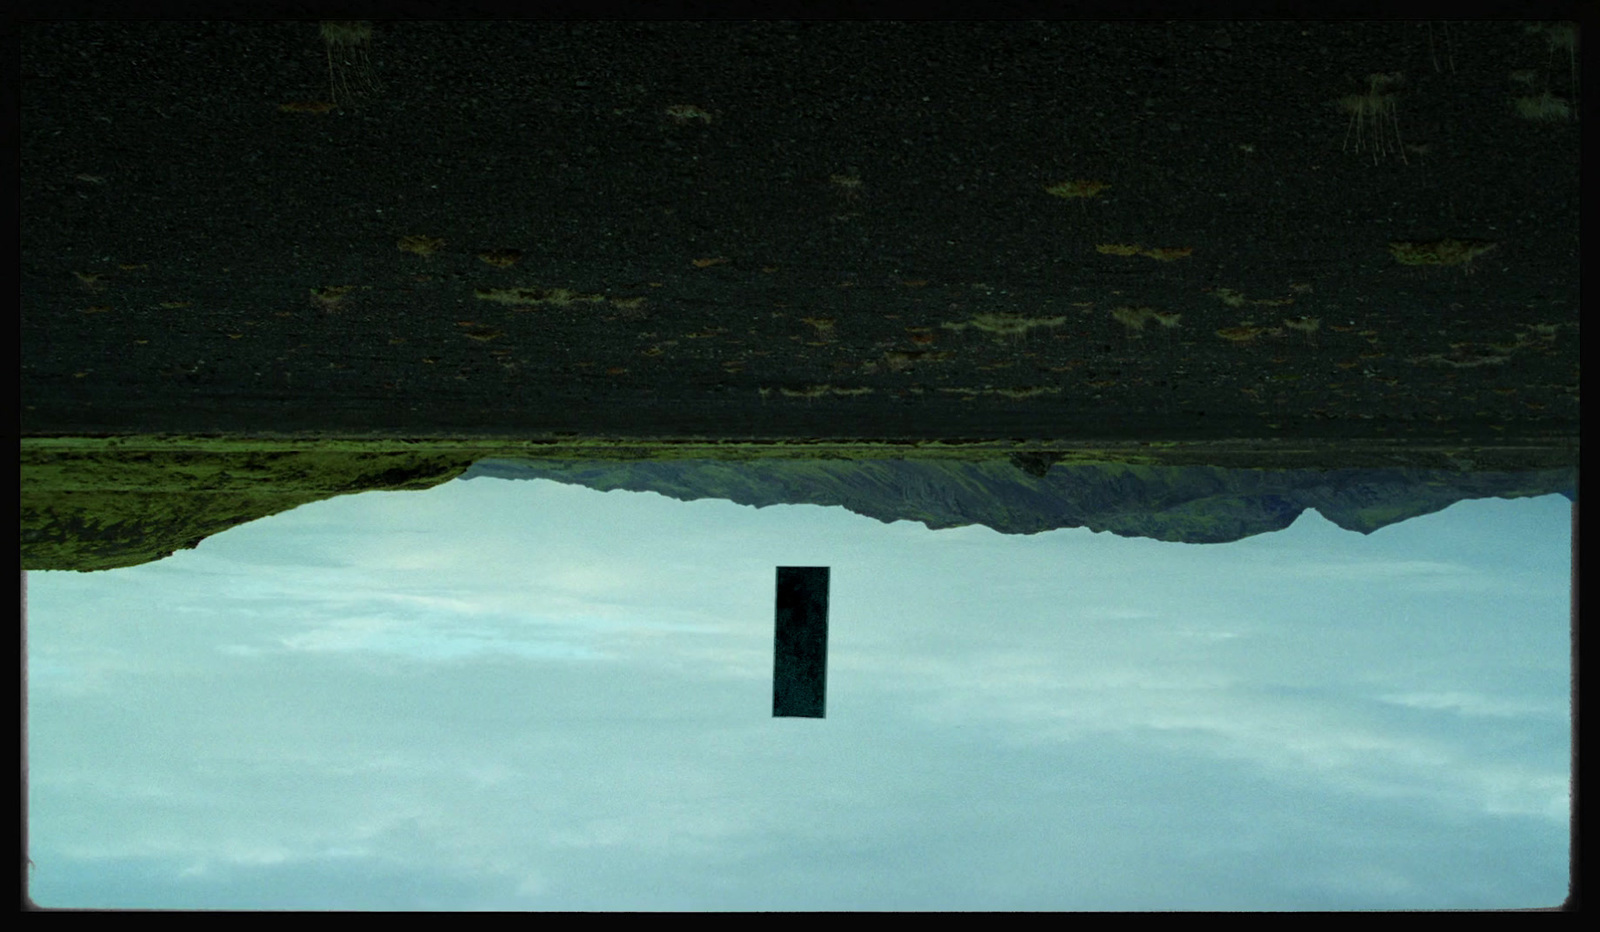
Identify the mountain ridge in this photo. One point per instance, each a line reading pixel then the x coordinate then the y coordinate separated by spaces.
pixel 1187 504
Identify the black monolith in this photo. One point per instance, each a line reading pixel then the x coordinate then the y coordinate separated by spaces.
pixel 800 646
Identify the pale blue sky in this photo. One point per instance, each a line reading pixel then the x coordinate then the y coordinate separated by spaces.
pixel 522 695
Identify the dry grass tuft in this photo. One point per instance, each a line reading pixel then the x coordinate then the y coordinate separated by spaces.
pixel 349 62
pixel 1373 117
pixel 1306 325
pixel 1240 334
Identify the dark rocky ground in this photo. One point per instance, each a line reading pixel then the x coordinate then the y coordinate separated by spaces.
pixel 813 250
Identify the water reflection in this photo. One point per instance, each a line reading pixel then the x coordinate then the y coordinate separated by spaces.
pixel 533 695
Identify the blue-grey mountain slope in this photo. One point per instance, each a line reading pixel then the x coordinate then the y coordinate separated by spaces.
pixel 1188 504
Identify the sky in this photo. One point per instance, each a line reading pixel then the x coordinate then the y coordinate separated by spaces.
pixel 517 694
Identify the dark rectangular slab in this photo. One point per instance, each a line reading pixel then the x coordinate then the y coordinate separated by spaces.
pixel 800 645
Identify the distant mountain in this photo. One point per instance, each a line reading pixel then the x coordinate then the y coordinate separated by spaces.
pixel 1027 495
pixel 103 509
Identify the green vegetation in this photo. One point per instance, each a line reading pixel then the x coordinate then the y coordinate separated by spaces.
pixel 91 504
pixel 1006 325
pixel 1373 118
pixel 1439 252
pixel 683 114
pixel 1160 253
pixel 528 297
pixel 1543 109
pixel 1132 317
pixel 1229 297
pixel 1077 189
pixel 349 65
pixel 95 503
pixel 1560 37
pixel 1306 325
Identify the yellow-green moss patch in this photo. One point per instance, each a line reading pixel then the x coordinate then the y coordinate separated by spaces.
pixel 1439 252
pixel 528 297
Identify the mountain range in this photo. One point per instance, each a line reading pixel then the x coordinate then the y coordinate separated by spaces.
pixel 1191 504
